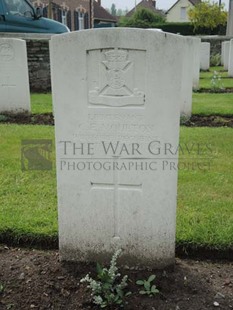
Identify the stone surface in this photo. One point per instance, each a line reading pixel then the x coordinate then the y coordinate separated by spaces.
pixel 187 79
pixel 226 54
pixel 215 43
pixel 117 109
pixel 14 82
pixel 196 62
pixel 205 56
pixel 222 53
pixel 230 61
pixel 230 19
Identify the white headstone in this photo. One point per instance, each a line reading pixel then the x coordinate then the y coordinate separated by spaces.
pixel 226 54
pixel 187 79
pixel 116 101
pixel 196 62
pixel 230 19
pixel 14 82
pixel 205 56
pixel 230 62
pixel 222 53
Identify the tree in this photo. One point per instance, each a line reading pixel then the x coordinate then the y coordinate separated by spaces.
pixel 113 9
pixel 142 18
pixel 119 12
pixel 207 15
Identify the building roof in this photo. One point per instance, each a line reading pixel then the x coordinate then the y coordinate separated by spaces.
pixel 194 2
pixel 147 4
pixel 101 14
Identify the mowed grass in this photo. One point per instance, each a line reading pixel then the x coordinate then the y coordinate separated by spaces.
pixel 205 196
pixel 203 104
pixel 213 104
pixel 28 203
pixel 224 83
pixel 209 74
pixel 206 77
pixel 27 198
pixel 41 103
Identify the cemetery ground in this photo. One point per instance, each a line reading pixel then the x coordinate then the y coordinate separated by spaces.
pixel 31 275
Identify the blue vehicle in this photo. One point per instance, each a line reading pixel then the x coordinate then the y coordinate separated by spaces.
pixel 21 16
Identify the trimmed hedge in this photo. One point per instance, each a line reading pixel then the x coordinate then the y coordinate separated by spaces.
pixel 181 28
pixel 186 29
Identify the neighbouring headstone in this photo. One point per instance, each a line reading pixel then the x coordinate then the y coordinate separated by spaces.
pixel 117 110
pixel 230 62
pixel 222 53
pixel 14 81
pixel 226 54
pixel 230 19
pixel 205 56
pixel 187 79
pixel 196 62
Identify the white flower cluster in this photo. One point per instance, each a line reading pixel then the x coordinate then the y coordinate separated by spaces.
pixel 93 284
pixel 114 292
pixel 216 81
pixel 113 268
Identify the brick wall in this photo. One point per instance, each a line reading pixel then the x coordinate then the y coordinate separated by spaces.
pixel 39 65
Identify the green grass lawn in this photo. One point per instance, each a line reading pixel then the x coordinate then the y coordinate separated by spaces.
pixel 218 68
pixel 213 104
pixel 203 103
pixel 209 74
pixel 205 208
pixel 206 77
pixel 27 199
pixel 28 202
pixel 224 83
pixel 41 103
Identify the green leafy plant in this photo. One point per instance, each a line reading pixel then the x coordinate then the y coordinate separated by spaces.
pixel 148 287
pixel 109 288
pixel 1 288
pixel 207 14
pixel 142 18
pixel 3 118
pixel 215 60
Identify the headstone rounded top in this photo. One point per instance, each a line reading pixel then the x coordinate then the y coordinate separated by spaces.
pixel 140 33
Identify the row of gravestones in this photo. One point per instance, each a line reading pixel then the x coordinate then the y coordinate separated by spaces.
pixel 116 99
pixel 227 56
pixel 14 85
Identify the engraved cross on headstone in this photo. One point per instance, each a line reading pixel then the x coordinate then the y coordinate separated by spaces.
pixel 6 84
pixel 116 186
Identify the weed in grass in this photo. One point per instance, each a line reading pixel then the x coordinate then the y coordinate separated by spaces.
pixel 184 119
pixel 216 82
pixel 149 288
pixel 108 290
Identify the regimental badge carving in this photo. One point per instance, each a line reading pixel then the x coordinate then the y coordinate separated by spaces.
pixel 6 52
pixel 115 83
